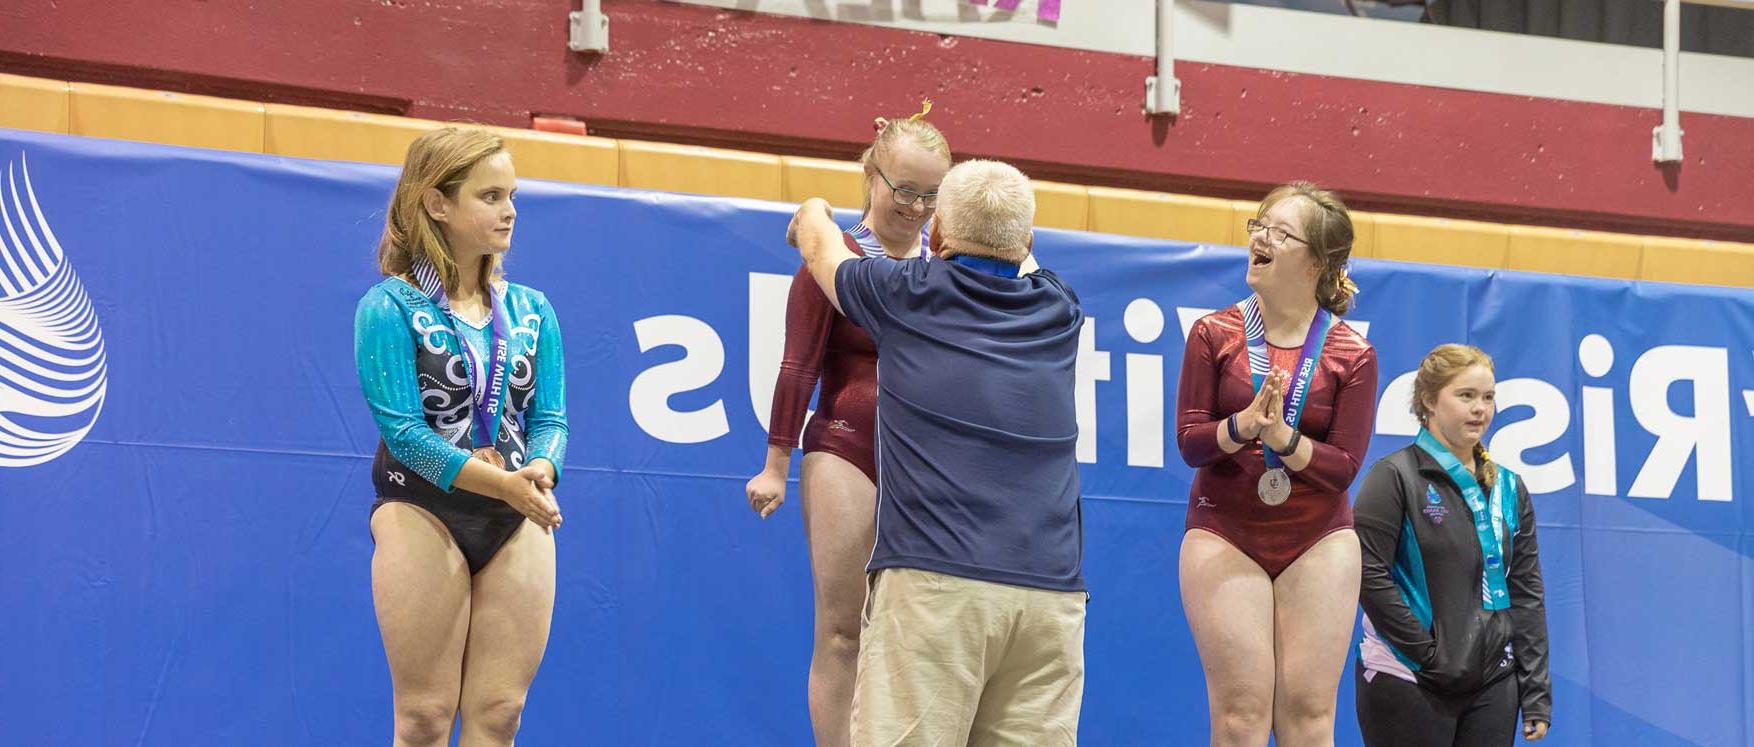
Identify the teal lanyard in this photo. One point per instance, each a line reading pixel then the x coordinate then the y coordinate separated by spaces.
pixel 1490 522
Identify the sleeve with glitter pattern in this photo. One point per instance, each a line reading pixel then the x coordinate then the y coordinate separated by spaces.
pixel 1336 459
pixel 546 418
pixel 383 351
pixel 1197 419
pixel 809 317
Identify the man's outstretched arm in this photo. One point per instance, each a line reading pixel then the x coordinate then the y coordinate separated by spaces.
pixel 818 239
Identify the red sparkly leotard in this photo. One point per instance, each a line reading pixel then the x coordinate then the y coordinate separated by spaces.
pixel 823 345
pixel 1337 419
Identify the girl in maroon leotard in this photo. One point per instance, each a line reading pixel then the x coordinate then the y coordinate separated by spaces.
pixel 1269 564
pixel 839 476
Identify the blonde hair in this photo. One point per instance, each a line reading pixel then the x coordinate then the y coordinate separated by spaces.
pixel 440 159
pixel 1328 229
pixel 1440 367
pixel 986 208
pixel 890 135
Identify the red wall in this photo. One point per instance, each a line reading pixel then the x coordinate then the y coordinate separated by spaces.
pixel 790 85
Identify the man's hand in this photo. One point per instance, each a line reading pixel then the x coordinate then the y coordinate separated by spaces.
pixel 818 239
pixel 806 213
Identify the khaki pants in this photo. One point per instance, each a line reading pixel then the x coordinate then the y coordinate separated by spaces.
pixel 945 660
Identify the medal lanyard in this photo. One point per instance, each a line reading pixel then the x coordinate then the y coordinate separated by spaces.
pixel 1261 363
pixel 488 379
pixel 1489 519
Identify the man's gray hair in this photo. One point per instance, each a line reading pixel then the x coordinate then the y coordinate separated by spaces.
pixel 986 208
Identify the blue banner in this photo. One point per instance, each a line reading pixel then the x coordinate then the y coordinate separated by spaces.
pixel 185 457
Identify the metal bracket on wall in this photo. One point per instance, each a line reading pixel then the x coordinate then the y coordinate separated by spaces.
pixel 1665 139
pixel 588 28
pixel 1163 93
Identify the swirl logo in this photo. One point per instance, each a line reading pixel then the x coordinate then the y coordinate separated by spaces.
pixel 52 367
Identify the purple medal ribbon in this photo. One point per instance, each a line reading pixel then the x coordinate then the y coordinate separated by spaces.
pixel 488 383
pixel 1260 363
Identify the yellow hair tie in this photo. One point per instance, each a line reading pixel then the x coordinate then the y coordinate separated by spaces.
pixel 925 108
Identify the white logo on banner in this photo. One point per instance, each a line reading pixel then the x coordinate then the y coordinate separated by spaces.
pixel 52 366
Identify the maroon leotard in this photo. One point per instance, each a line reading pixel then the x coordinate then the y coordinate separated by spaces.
pixel 1337 421
pixel 820 343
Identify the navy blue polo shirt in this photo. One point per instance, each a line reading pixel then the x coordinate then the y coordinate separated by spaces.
pixel 977 470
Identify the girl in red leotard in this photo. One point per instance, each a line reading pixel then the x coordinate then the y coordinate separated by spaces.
pixel 839 476
pixel 1276 405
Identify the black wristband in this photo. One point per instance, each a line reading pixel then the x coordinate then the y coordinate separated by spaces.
pixel 1291 445
pixel 1230 425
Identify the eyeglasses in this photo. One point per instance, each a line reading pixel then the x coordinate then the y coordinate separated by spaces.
pixel 1276 236
pixel 906 197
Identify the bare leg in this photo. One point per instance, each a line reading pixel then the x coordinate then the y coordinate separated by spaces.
pixel 508 633
pixel 840 507
pixel 1229 603
pixel 420 587
pixel 1316 601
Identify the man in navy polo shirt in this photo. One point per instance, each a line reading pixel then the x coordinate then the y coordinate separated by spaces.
pixel 974 627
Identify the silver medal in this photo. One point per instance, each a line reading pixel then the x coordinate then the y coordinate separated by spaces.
pixel 1275 486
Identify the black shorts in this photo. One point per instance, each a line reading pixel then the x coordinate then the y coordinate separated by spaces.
pixel 478 524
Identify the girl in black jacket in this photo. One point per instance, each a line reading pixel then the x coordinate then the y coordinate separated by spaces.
pixel 1455 628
